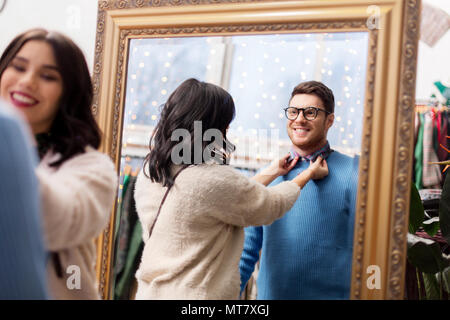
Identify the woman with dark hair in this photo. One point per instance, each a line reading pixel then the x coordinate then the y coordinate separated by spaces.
pixel 194 234
pixel 45 76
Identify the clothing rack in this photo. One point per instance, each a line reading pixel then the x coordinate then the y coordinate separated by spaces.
pixel 424 105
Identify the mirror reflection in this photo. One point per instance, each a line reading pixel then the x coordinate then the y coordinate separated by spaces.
pixel 260 72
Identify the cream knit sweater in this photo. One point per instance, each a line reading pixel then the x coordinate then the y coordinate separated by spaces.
pixel 197 241
pixel 76 204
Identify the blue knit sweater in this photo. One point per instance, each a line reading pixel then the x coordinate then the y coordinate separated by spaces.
pixel 307 254
pixel 22 254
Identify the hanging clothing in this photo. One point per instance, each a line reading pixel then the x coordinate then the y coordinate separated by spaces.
pixel 418 154
pixel 431 177
pixel 130 244
pixel 442 154
pixel 122 229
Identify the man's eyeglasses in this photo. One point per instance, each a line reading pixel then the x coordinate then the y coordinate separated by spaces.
pixel 309 113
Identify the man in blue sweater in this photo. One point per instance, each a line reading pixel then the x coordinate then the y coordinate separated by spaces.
pixel 22 253
pixel 307 254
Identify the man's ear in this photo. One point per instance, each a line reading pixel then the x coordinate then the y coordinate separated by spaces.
pixel 329 120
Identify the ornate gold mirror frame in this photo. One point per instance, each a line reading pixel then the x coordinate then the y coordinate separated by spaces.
pixel 387 142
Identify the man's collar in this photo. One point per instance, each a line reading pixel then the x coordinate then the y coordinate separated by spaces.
pixel 325 151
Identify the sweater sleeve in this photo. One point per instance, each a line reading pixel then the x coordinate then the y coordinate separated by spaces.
pixel 77 199
pixel 237 200
pixel 250 253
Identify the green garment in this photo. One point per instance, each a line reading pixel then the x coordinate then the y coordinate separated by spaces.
pixel 123 287
pixel 126 179
pixel 444 90
pixel 418 154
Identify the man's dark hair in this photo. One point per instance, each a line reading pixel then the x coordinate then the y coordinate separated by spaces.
pixel 319 90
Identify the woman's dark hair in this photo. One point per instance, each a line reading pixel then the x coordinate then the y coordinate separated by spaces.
pixel 74 126
pixel 192 101
pixel 319 90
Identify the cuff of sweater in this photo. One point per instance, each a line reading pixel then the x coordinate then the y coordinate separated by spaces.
pixel 290 191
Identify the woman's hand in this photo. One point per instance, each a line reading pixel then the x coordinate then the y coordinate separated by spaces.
pixel 281 166
pixel 277 168
pixel 317 170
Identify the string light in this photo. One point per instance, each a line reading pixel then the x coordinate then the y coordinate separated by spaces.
pixel 253 76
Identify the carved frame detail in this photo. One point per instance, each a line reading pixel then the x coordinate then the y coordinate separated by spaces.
pixel 396 255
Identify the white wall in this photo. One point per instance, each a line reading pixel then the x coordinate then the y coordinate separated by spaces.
pixel 75 18
pixel 433 64
pixel 78 18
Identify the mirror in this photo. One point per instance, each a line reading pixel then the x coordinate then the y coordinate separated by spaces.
pixel 145 50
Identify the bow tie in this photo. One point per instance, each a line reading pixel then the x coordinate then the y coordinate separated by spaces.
pixel 324 152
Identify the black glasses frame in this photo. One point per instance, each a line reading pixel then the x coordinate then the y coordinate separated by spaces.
pixel 309 117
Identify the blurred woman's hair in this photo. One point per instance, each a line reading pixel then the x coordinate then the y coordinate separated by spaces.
pixel 192 101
